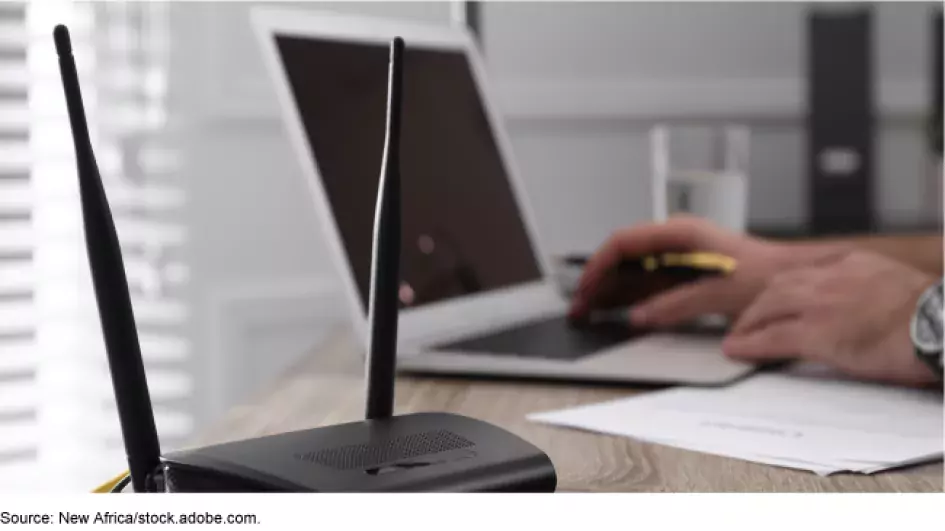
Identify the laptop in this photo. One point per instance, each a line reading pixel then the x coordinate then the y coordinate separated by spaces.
pixel 478 294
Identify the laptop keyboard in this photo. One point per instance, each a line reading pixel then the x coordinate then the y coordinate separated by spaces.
pixel 554 338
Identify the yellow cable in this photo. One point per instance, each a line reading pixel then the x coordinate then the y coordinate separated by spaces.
pixel 110 484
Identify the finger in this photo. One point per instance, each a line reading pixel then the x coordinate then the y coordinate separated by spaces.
pixel 682 304
pixel 676 235
pixel 783 297
pixel 778 340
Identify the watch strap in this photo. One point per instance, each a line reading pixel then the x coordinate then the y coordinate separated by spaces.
pixel 933 360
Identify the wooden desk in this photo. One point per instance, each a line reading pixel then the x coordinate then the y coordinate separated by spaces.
pixel 327 388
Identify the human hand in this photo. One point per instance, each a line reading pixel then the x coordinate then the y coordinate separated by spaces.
pixel 851 312
pixel 659 306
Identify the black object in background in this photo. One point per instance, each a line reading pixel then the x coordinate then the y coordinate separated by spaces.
pixel 840 122
pixel 473 13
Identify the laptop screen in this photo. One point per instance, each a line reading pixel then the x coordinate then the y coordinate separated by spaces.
pixel 463 232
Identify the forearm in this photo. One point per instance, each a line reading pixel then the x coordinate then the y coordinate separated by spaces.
pixel 921 251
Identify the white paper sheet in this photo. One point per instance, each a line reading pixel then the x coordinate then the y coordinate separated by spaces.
pixel 801 418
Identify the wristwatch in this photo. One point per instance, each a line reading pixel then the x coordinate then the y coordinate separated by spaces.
pixel 926 328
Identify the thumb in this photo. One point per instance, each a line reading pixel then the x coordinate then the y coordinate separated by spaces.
pixel 683 303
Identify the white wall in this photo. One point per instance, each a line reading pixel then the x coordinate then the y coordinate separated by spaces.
pixel 583 85
pixel 579 84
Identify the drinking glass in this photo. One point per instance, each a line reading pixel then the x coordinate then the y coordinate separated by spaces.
pixel 701 170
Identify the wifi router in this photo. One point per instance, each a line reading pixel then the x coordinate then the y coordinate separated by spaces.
pixel 420 452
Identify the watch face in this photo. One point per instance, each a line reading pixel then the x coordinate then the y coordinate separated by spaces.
pixel 927 327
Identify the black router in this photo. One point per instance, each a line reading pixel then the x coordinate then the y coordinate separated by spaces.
pixel 419 452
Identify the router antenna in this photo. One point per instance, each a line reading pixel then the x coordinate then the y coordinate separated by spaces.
pixel 111 289
pixel 385 265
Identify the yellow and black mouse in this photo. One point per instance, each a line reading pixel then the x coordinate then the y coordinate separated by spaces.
pixel 637 279
pixel 692 265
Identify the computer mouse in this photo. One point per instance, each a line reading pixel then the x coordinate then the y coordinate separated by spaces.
pixel 637 279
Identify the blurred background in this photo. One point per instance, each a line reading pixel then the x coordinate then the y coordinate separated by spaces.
pixel 230 273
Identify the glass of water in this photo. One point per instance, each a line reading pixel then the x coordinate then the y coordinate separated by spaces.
pixel 701 170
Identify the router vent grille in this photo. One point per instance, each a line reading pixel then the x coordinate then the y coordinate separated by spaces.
pixel 364 456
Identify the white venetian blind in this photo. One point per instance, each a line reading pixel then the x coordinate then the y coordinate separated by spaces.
pixel 18 408
pixel 58 426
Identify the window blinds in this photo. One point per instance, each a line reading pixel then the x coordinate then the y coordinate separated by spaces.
pixel 58 425
pixel 18 408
